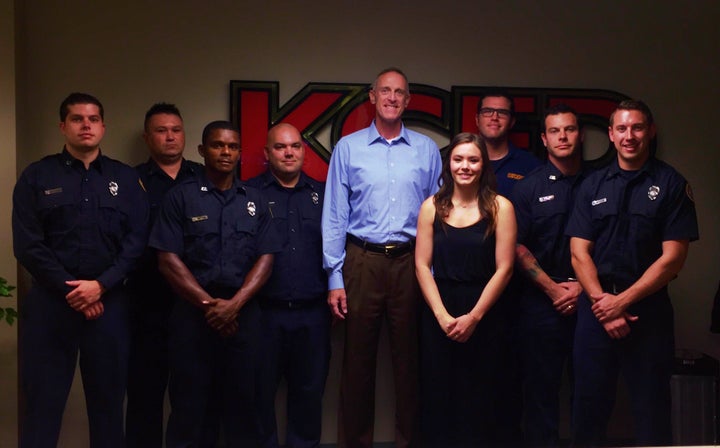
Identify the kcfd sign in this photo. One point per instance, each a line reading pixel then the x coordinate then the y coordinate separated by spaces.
pixel 340 109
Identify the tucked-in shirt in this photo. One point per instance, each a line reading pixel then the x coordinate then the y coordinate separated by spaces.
pixel 516 164
pixel 296 212
pixel 628 215
pixel 543 201
pixel 374 191
pixel 72 223
pixel 219 235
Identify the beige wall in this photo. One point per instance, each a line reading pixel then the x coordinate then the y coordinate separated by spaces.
pixel 187 51
pixel 8 267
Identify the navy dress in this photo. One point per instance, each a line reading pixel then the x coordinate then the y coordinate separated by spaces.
pixel 459 380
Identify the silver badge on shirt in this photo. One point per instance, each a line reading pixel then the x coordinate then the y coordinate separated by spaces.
pixel 251 208
pixel 113 187
pixel 315 198
pixel 653 192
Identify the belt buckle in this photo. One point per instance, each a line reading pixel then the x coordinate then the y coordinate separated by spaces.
pixel 389 249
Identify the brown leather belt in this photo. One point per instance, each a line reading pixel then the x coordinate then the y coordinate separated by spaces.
pixel 390 250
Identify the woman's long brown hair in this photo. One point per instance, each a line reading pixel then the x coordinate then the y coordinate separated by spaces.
pixel 487 186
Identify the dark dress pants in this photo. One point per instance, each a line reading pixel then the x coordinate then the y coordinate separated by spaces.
pixel 295 345
pixel 148 369
pixel 212 379
pixel 379 287
pixel 545 343
pixel 645 359
pixel 52 334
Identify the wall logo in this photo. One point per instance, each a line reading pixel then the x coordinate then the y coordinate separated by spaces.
pixel 327 111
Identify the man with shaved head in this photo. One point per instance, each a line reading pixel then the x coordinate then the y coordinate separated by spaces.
pixel 295 334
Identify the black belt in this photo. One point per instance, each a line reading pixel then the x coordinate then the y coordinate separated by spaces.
pixel 390 250
pixel 292 304
pixel 613 286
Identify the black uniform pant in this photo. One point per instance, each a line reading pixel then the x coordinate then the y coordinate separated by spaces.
pixel 212 382
pixel 52 334
pixel 545 343
pixel 148 368
pixel 295 344
pixel 645 358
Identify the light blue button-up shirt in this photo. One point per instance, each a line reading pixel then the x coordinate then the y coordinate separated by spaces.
pixel 374 191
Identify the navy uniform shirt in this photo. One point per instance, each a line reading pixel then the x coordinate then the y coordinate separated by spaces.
pixel 75 223
pixel 516 164
pixel 298 273
pixel 543 201
pixel 628 215
pixel 219 235
pixel 157 183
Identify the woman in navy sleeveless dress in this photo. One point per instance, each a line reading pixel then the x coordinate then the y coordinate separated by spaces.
pixel 464 256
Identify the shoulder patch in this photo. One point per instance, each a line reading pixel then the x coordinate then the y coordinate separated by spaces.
pixel 689 192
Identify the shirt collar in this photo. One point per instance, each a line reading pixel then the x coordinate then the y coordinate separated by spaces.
pixel 649 168
pixel 207 186
pixel 268 178
pixel 68 160
pixel 374 136
pixel 552 172
pixel 154 168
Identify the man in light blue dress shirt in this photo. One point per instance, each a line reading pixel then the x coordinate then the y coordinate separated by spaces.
pixel 377 179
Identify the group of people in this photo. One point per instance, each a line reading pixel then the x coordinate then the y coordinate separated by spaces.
pixel 180 276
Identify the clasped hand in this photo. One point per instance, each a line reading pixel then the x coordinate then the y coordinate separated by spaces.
pixel 85 298
pixel 221 315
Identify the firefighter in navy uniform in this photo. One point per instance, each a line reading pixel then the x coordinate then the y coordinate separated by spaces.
pixel 630 233
pixel 152 298
pixel 214 248
pixel 79 225
pixel 295 333
pixel 545 308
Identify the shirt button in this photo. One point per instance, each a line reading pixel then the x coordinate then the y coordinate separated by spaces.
pixel 86 199
pixel 292 230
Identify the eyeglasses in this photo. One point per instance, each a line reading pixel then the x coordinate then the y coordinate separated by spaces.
pixel 490 111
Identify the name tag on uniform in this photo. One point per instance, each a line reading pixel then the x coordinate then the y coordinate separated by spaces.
pixel 515 176
pixel 53 191
pixel 546 198
pixel 199 218
pixel 598 201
